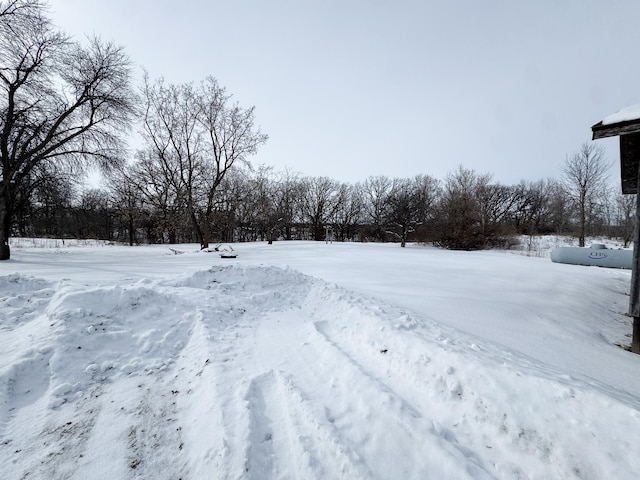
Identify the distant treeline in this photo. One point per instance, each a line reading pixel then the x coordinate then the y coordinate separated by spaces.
pixel 466 210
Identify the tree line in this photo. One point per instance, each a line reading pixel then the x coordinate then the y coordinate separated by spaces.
pixel 66 106
pixel 466 210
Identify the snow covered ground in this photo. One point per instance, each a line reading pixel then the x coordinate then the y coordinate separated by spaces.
pixel 312 360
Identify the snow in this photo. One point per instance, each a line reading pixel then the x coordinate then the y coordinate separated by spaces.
pixel 626 114
pixel 313 360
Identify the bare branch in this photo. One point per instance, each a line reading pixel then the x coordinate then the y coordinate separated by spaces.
pixel 60 101
pixel 195 131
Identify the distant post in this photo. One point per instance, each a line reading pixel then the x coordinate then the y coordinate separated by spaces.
pixel 626 125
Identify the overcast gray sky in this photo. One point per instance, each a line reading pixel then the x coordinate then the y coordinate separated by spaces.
pixel 353 88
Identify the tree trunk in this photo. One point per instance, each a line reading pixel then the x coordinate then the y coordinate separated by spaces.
pixel 583 220
pixel 205 233
pixel 5 227
pixel 5 251
pixel 197 229
pixel 131 230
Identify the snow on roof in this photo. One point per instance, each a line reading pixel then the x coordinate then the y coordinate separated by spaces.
pixel 624 115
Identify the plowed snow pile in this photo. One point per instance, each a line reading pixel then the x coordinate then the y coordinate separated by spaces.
pixel 123 363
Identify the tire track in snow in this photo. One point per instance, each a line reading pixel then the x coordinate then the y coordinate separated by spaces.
pixel 448 386
pixel 154 438
pixel 341 393
pixel 210 396
pixel 424 365
pixel 385 389
pixel 265 419
pixel 231 301
pixel 287 441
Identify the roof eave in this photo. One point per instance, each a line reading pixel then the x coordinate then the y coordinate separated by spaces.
pixel 611 130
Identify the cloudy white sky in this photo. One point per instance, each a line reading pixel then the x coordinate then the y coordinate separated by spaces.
pixel 353 88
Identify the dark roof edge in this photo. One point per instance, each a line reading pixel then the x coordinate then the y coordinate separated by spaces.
pixel 621 128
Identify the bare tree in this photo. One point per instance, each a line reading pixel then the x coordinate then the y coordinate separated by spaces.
pixel 61 102
pixel 625 216
pixel 233 208
pixel 288 193
pixel 49 198
pixel 264 198
pixel 197 134
pixel 585 177
pixel 410 203
pixel 428 192
pixel 93 215
pixel 320 201
pixel 19 14
pixel 459 216
pixel 559 216
pixel 496 204
pixel 375 191
pixel 158 183
pixel 348 211
pixel 127 200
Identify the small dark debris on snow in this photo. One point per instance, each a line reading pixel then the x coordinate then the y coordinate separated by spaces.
pixel 624 347
pixel 384 350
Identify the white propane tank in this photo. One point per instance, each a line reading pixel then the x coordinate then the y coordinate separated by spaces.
pixel 595 255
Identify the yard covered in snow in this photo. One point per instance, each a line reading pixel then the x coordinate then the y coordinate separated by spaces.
pixel 313 360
